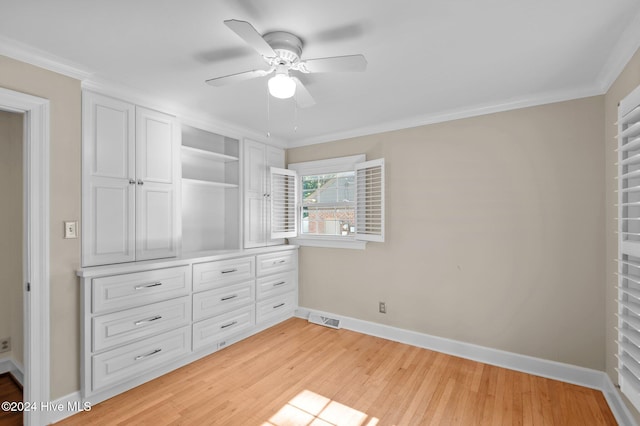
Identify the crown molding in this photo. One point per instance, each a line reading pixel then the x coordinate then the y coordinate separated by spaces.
pixel 30 55
pixel 454 114
pixel 620 55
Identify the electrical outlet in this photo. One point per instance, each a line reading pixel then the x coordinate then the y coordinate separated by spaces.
pixel 222 344
pixel 382 307
pixel 5 344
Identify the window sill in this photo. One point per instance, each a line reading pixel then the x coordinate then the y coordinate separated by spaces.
pixel 329 242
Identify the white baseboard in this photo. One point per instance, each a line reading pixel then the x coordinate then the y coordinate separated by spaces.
pixel 9 365
pixel 568 373
pixel 66 406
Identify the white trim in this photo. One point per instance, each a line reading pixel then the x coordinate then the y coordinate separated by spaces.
pixel 620 55
pixel 65 407
pixel 329 165
pixel 454 114
pixel 36 302
pixel 568 373
pixel 30 55
pixel 10 365
pixel 337 242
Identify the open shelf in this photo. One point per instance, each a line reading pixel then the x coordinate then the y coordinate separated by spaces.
pixel 209 155
pixel 208 183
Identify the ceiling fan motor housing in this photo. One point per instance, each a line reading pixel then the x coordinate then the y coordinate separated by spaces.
pixel 286 45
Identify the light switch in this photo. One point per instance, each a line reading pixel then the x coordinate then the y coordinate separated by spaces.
pixel 71 229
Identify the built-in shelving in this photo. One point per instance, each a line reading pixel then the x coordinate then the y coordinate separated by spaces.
pixel 210 191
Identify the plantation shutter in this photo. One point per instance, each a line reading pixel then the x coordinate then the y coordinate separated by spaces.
pixel 370 201
pixel 629 247
pixel 284 200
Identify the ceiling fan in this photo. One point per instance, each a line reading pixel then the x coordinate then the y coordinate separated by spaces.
pixel 281 51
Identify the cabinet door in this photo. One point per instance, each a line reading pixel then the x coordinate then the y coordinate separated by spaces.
pixel 156 193
pixel 258 157
pixel 108 173
pixel 254 194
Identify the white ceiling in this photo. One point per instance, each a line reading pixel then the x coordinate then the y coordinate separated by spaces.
pixel 428 60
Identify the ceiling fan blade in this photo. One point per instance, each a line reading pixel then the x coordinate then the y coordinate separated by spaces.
pixel 253 38
pixel 234 78
pixel 350 63
pixel 303 97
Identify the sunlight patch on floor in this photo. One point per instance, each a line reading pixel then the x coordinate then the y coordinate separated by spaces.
pixel 311 409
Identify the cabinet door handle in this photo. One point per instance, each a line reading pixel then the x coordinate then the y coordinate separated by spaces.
pixel 132 181
pixel 279 262
pixel 148 320
pixel 143 286
pixel 228 297
pixel 228 271
pixel 229 325
pixel 140 182
pixel 279 306
pixel 153 352
pixel 280 283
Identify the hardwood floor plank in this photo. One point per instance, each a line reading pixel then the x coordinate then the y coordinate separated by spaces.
pixel 299 373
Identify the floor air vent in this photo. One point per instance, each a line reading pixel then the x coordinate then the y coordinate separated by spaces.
pixel 326 321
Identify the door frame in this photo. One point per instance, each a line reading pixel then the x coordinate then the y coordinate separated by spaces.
pixel 36 252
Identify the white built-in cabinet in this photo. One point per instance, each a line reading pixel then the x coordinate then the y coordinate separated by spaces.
pixel 258 159
pixel 130 175
pixel 210 191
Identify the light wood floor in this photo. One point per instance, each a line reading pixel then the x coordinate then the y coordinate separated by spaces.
pixel 9 391
pixel 301 374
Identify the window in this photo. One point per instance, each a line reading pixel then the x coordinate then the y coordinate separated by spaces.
pixel 334 203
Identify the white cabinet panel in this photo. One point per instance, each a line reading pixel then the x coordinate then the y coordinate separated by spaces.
pixel 137 358
pixel 129 181
pixel 211 331
pixel 275 284
pixel 275 262
pixel 132 324
pixel 221 300
pixel 258 158
pixel 129 290
pixel 108 173
pixel 277 306
pixel 155 221
pixel 211 275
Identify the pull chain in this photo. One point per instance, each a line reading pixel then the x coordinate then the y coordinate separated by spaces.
pixel 295 116
pixel 268 114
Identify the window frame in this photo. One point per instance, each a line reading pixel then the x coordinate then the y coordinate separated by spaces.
pixel 318 167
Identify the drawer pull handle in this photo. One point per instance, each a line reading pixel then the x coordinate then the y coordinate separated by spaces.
pixel 279 262
pixel 139 357
pixel 148 320
pixel 280 283
pixel 224 299
pixel 229 325
pixel 279 306
pixel 143 286
pixel 228 271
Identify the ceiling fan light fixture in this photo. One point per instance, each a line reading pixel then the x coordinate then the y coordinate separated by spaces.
pixel 282 86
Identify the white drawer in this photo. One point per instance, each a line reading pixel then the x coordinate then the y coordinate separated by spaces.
pixel 275 284
pixel 211 331
pixel 275 262
pixel 121 364
pixel 130 290
pixel 215 302
pixel 137 323
pixel 216 274
pixel 276 306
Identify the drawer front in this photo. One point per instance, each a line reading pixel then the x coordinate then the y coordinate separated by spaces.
pixel 275 262
pixel 215 302
pixel 216 274
pixel 131 290
pixel 135 359
pixel 138 323
pixel 280 305
pixel 275 284
pixel 211 331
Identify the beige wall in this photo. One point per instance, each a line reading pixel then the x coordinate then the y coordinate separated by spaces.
pixel 628 80
pixel 494 233
pixel 64 96
pixel 11 226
